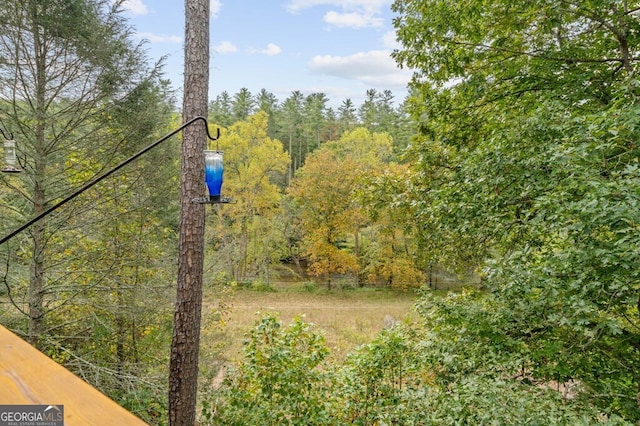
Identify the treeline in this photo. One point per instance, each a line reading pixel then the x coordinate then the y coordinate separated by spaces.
pixel 302 123
pixel 335 220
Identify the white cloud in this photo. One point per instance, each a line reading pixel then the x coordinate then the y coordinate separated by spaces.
pixel 225 47
pixel 374 68
pixel 352 20
pixel 155 38
pixel 295 6
pixel 271 49
pixel 135 7
pixel 352 13
pixel 214 8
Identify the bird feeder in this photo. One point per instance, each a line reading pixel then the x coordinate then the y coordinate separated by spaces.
pixel 10 157
pixel 213 174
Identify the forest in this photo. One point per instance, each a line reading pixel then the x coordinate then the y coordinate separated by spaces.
pixel 512 170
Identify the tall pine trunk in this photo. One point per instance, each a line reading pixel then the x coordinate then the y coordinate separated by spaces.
pixel 183 368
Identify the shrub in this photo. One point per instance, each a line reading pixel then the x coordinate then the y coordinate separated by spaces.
pixel 281 382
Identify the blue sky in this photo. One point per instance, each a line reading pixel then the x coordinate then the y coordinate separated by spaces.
pixel 338 47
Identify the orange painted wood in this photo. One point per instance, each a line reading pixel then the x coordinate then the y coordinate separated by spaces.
pixel 27 376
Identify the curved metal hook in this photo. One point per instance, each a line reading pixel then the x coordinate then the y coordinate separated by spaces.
pixel 209 134
pixel 206 126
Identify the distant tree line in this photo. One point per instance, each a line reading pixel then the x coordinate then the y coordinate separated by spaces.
pixel 329 220
pixel 303 123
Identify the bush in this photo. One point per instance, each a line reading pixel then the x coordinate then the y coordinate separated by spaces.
pixel 281 382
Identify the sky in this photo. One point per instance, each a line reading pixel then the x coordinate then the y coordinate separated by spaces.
pixel 338 47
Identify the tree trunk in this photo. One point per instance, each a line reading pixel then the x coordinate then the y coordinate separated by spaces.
pixel 37 278
pixel 183 368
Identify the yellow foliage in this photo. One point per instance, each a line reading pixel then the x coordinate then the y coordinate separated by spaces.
pixel 251 160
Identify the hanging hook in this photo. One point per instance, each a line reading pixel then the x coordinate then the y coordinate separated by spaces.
pixel 216 138
pixel 206 126
pixel 211 137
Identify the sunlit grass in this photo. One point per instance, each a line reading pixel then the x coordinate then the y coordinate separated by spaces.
pixel 347 318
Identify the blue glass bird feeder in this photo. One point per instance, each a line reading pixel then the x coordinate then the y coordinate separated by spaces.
pixel 213 173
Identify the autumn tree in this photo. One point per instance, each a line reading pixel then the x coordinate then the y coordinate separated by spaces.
pixel 325 195
pixel 390 251
pixel 246 238
pixel 322 192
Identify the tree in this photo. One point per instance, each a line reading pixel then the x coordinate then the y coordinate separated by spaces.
pixel 183 368
pixel 243 104
pixel 314 112
pixel 332 126
pixel 368 111
pixel 67 69
pixel 281 379
pixel 291 119
pixel 347 115
pixel 390 250
pixel 322 193
pixel 80 97
pixel 255 167
pixel 325 194
pixel 220 111
pixel 525 164
pixel 268 103
pixel 113 334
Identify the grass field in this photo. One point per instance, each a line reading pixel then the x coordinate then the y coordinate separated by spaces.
pixel 347 318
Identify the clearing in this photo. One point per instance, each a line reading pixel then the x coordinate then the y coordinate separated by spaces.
pixel 347 318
